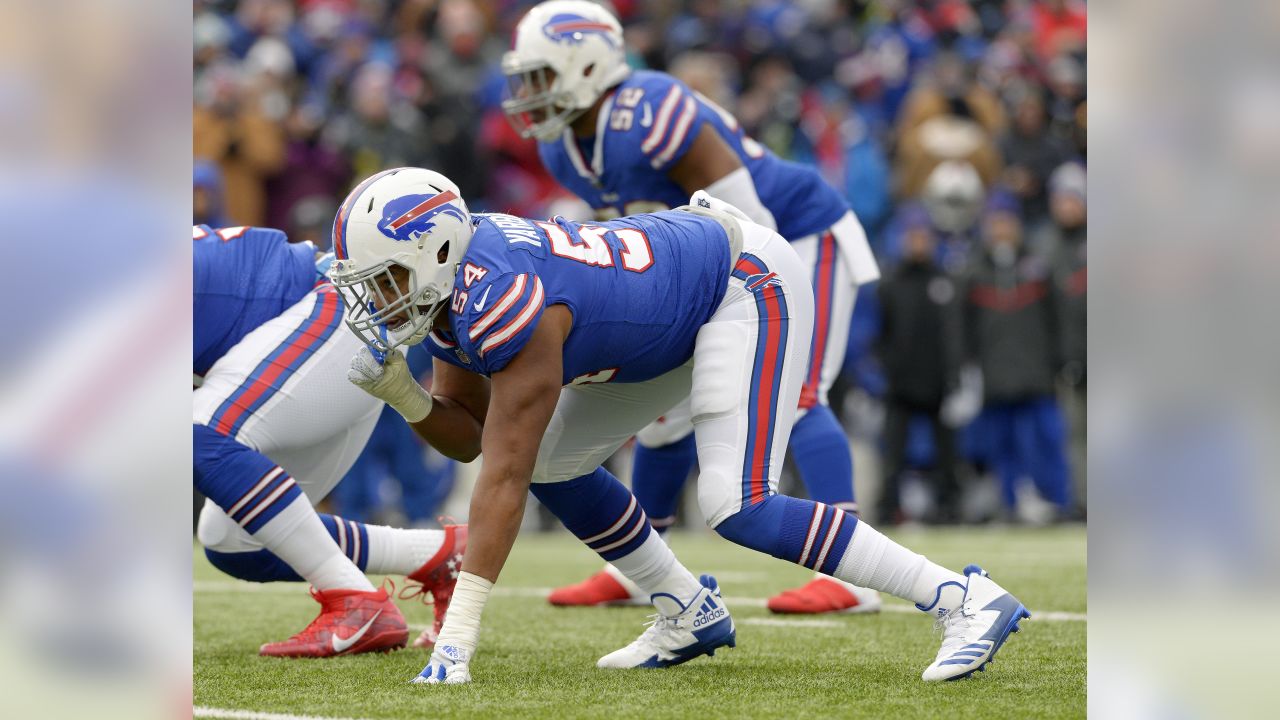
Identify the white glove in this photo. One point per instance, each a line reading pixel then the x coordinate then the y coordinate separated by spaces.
pixel 448 665
pixel 390 381
pixel 964 403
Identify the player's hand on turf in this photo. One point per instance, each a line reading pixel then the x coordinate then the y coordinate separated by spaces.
pixel 448 665
pixel 390 381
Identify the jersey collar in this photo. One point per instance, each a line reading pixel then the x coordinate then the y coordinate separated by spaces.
pixel 593 171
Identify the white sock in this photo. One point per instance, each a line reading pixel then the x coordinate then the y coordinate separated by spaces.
pixel 399 551
pixel 879 563
pixel 297 537
pixel 655 569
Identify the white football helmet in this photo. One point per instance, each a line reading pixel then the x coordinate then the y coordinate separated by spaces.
pixel 409 218
pixel 566 54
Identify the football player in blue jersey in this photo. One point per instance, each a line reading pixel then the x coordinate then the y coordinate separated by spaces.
pixel 637 141
pixel 555 342
pixel 275 427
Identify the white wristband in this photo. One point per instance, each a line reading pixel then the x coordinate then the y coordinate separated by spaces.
pixel 462 623
pixel 739 190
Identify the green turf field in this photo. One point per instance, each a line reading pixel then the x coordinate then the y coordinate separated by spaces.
pixel 538 661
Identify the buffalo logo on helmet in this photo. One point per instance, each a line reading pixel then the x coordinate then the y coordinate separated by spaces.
pixel 408 217
pixel 570 28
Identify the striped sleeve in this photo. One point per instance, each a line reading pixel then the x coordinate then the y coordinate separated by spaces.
pixel 501 318
pixel 676 121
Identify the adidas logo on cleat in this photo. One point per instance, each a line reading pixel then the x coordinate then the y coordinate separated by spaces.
pixel 710 612
pixel 708 618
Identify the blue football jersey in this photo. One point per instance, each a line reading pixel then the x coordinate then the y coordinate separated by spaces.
pixel 243 277
pixel 647 123
pixel 639 289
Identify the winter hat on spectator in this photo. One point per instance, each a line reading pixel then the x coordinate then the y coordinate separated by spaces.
pixel 1068 179
pixel 913 216
pixel 270 55
pixel 209 31
pixel 1002 201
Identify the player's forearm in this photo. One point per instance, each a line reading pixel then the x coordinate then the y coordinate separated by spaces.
pixel 497 507
pixel 451 429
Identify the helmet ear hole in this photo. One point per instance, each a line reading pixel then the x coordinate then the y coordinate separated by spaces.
pixel 586 72
pixel 442 255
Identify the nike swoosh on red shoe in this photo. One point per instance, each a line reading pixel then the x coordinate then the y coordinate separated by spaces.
pixel 341 645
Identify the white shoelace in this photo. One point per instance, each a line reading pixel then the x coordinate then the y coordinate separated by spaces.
pixel 658 625
pixel 954 626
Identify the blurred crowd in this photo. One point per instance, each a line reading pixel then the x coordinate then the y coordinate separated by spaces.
pixel 956 128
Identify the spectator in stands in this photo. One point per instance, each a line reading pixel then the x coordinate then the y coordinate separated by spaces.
pixel 206 201
pixel 920 348
pixel 231 129
pixel 1064 242
pixel 953 198
pixel 1012 333
pixel 1030 153
pixel 948 117
pixel 311 220
pixel 379 131
pixel 313 169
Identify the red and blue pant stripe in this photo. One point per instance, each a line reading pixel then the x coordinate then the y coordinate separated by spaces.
pixel 824 283
pixel 766 374
pixel 815 535
pixel 275 370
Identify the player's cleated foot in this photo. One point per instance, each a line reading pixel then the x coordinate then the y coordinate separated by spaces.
pixel 679 632
pixel 350 622
pixel 436 578
pixel 974 630
pixel 607 587
pixel 825 595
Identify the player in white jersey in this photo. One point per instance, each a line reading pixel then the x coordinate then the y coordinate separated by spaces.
pixel 275 427
pixel 637 141
pixel 556 341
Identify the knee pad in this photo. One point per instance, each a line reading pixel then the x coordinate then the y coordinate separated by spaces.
pixel 216 531
pixel 719 496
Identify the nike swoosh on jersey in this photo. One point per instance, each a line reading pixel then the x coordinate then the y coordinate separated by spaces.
pixel 479 304
pixel 341 645
pixel 646 119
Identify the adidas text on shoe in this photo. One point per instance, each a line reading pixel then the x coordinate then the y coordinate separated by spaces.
pixel 974 630
pixel 679 632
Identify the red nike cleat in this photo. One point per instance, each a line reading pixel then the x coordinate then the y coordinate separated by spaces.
pixel 603 588
pixel 825 595
pixel 437 577
pixel 350 622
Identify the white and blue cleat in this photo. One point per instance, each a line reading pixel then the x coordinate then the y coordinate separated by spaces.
pixel 679 632
pixel 975 628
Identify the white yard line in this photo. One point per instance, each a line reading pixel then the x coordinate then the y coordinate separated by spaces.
pixel 231 586
pixel 783 622
pixel 210 712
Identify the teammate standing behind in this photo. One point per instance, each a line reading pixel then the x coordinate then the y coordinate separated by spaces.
pixel 633 142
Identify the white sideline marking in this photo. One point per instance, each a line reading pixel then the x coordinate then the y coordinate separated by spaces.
pixel 210 712
pixel 779 622
pixel 232 586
